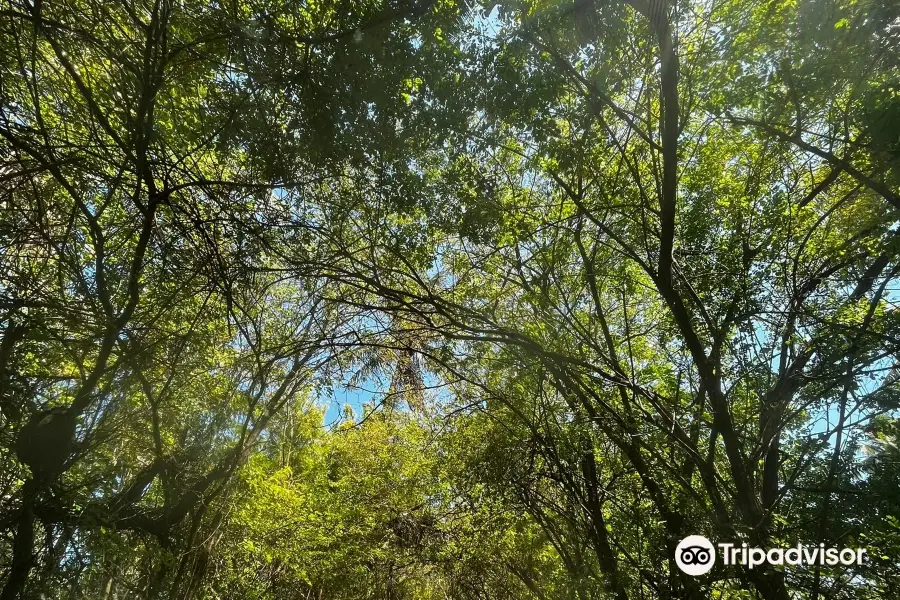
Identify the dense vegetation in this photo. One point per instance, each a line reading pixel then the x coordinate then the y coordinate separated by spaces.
pixel 612 272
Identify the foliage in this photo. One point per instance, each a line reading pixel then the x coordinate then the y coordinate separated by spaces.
pixel 625 271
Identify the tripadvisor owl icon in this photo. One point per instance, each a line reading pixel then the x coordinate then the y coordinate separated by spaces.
pixel 695 555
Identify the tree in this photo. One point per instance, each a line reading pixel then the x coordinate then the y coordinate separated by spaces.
pixel 629 265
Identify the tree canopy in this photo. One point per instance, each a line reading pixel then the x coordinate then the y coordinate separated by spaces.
pixel 599 275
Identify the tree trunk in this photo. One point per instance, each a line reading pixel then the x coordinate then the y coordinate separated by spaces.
pixel 23 546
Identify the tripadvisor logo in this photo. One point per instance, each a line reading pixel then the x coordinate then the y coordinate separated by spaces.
pixel 695 555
